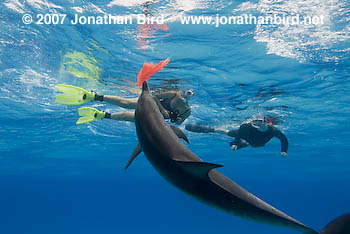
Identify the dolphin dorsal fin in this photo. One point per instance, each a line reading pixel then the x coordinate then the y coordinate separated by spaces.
pixel 200 169
pixel 179 133
pixel 136 152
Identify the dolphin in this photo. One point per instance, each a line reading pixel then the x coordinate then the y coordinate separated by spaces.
pixel 182 168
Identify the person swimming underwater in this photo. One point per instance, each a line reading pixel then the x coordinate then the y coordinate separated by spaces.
pixel 256 133
pixel 172 104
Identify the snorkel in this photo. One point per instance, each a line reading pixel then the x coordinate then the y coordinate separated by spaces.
pixel 186 95
pixel 260 124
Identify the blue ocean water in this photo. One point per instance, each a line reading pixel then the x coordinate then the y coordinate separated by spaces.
pixel 59 177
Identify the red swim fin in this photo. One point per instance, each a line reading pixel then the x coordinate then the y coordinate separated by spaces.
pixel 150 69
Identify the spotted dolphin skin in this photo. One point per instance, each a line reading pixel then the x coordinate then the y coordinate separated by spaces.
pixel 182 168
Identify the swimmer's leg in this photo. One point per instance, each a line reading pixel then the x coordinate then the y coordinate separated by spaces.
pixel 88 114
pixel 128 103
pixel 222 131
pixel 123 116
pixel 206 129
pixel 199 128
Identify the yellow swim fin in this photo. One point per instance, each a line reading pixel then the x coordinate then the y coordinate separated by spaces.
pixel 73 95
pixel 89 114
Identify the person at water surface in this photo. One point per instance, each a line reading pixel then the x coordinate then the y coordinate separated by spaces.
pixel 256 133
pixel 172 104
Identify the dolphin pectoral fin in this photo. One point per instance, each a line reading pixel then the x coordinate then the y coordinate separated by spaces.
pixel 200 169
pixel 179 133
pixel 136 152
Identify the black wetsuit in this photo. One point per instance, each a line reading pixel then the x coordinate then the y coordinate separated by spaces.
pixel 249 135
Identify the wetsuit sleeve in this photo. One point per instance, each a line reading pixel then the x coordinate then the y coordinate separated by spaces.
pixel 239 143
pixel 283 139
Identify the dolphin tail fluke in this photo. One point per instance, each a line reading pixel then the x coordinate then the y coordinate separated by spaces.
pixel 340 225
pixel 150 69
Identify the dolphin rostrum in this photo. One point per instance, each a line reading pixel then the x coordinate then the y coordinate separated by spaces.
pixel 182 168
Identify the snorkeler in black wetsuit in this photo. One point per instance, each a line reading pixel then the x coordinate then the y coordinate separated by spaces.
pixel 256 133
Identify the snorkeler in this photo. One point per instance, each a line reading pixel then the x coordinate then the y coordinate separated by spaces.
pixel 172 104
pixel 145 9
pixel 255 133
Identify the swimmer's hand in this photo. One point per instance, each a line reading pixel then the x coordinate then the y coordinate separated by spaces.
pixel 284 154
pixel 234 147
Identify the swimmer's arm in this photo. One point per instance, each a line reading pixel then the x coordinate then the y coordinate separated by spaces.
pixel 166 95
pixel 283 139
pixel 180 120
pixel 207 129
pixel 123 116
pixel 238 144
pixel 162 109
pixel 239 136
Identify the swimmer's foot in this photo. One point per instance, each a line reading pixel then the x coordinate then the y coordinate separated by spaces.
pixel 73 95
pixel 89 114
